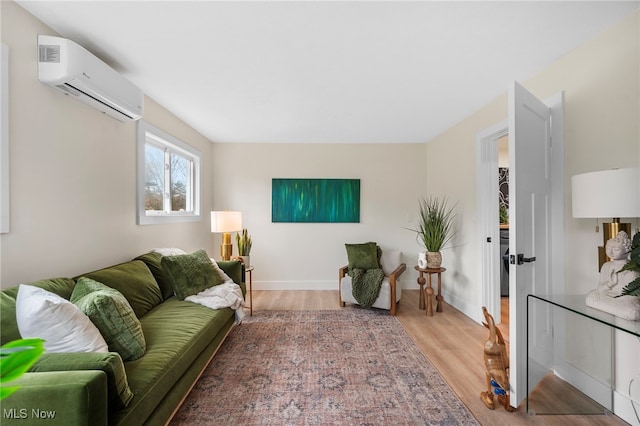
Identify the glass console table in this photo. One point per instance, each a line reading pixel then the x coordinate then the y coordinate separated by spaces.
pixel 572 354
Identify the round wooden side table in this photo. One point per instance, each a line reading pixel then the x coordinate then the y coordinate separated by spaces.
pixel 429 289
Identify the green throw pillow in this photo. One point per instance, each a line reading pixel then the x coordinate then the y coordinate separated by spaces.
pixel 109 310
pixel 362 256
pixel 189 274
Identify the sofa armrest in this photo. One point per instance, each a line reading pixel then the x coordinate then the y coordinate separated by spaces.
pixel 57 398
pixel 118 392
pixel 235 270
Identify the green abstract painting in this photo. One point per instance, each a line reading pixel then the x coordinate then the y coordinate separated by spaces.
pixel 315 200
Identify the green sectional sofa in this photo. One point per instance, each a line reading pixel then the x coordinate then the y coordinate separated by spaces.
pixel 99 388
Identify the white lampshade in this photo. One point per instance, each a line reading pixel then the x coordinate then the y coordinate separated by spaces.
pixel 226 221
pixel 608 193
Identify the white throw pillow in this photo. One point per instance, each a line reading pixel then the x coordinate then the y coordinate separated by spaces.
pixel 64 327
pixel 170 251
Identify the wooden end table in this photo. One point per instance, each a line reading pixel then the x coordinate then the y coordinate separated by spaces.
pixel 429 289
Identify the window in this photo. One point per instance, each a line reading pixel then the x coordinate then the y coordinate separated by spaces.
pixel 168 178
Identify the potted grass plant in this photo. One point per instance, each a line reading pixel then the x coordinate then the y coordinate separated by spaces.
pixel 243 241
pixel 435 228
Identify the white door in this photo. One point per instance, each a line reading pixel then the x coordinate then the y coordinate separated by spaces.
pixel 529 217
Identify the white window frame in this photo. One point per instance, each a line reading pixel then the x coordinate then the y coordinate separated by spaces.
pixel 149 134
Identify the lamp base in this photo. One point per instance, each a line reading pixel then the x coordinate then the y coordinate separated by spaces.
pixel 609 231
pixel 226 248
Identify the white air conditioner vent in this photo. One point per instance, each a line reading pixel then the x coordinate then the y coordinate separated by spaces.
pixel 70 68
pixel 68 90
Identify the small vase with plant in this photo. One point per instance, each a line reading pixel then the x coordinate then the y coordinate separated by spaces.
pixel 435 228
pixel 243 241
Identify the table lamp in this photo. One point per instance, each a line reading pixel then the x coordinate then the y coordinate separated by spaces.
pixel 607 194
pixel 225 222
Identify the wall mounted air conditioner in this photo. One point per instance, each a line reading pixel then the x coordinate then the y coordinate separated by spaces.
pixel 73 70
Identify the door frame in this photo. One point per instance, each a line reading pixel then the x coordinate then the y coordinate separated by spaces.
pixel 556 104
pixel 488 216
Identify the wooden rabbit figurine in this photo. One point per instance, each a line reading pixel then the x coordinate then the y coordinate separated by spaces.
pixel 496 361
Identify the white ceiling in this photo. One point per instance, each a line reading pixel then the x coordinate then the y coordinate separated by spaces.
pixel 327 72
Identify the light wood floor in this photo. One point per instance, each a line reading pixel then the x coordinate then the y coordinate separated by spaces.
pixel 454 344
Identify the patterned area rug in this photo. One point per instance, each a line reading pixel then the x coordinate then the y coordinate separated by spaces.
pixel 346 367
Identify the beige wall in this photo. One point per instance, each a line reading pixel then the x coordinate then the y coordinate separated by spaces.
pixel 602 106
pixel 600 81
pixel 67 227
pixel 307 256
pixel 73 175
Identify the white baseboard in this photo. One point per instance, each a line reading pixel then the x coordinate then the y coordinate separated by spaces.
pixel 295 285
pixel 309 285
pixel 469 309
pixel 409 285
pixel 585 383
pixel 623 408
pixel 601 393
pixel 472 311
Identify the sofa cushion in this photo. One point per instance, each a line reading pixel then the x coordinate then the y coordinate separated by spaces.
pixel 189 274
pixel 153 261
pixel 135 282
pixel 111 363
pixel 176 332
pixel 362 256
pixel 109 310
pixel 384 297
pixel 8 325
pixel 64 327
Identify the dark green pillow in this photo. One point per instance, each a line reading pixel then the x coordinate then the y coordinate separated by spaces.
pixel 110 312
pixel 153 261
pixel 362 256
pixel 189 274
pixel 135 281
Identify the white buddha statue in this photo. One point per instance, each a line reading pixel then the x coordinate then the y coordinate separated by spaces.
pixel 611 282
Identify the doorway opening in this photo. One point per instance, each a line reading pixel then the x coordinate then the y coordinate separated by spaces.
pixel 503 224
pixel 493 221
